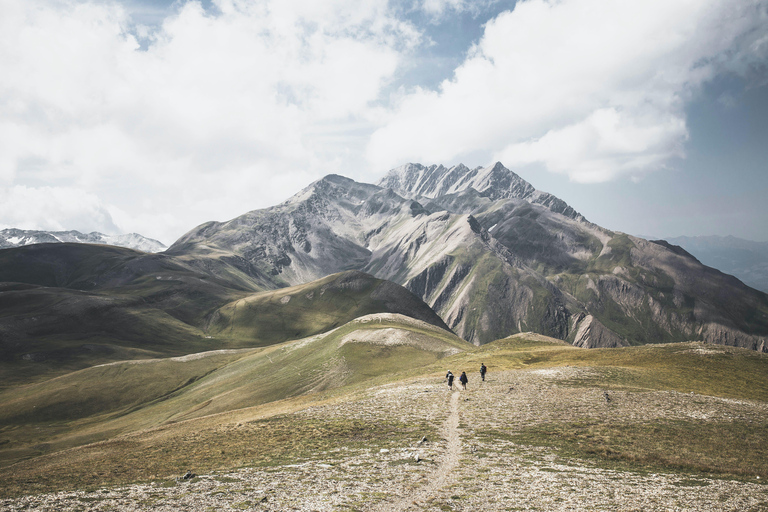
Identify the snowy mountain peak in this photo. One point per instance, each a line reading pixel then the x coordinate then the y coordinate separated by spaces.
pixel 12 237
pixel 333 186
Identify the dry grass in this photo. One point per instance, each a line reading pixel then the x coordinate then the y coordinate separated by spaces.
pixel 539 434
pixel 733 449
pixel 164 453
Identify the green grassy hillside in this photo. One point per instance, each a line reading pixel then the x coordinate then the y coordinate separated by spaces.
pixel 714 370
pixel 97 403
pixel 298 311
pixel 65 307
pixel 51 331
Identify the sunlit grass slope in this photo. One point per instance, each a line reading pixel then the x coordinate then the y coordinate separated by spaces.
pixel 295 312
pixel 99 402
pixel 715 370
pixel 619 435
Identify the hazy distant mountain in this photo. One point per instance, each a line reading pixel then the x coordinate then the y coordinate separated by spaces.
pixel 20 237
pixel 744 259
pixel 492 256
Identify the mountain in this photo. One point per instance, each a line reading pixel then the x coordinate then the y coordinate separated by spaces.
pixel 491 255
pixel 21 237
pixel 415 181
pixel 294 357
pixel 66 306
pixel 744 259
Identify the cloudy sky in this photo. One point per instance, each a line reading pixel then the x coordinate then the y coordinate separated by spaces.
pixel 153 116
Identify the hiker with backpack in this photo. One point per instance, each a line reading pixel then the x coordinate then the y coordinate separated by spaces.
pixel 483 369
pixel 463 379
pixel 449 378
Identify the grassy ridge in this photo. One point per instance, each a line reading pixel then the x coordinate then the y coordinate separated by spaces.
pixel 714 370
pixel 290 313
pixel 96 403
pixel 732 447
pixel 104 389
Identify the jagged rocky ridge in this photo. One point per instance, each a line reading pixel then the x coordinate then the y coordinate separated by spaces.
pixel 20 237
pixel 492 255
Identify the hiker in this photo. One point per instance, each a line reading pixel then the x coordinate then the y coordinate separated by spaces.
pixel 463 379
pixel 449 378
pixel 483 369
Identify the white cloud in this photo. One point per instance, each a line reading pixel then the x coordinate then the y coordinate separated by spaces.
pixel 606 144
pixel 252 88
pixel 439 7
pixel 589 88
pixel 216 112
pixel 54 209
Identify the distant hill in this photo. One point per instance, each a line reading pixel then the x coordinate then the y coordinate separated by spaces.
pixel 69 306
pixel 20 237
pixel 744 259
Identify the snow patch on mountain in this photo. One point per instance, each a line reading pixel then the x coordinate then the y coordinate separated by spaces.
pixel 19 237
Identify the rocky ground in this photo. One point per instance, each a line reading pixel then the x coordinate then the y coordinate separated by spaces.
pixel 463 468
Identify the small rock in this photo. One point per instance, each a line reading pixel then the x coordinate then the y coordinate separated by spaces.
pixel 423 440
pixel 187 476
pixel 384 450
pixel 417 458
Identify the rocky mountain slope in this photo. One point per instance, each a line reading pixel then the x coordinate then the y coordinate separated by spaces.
pixel 21 237
pixel 491 255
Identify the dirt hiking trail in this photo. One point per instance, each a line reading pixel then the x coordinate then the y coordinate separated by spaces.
pixel 449 461
pixel 499 472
